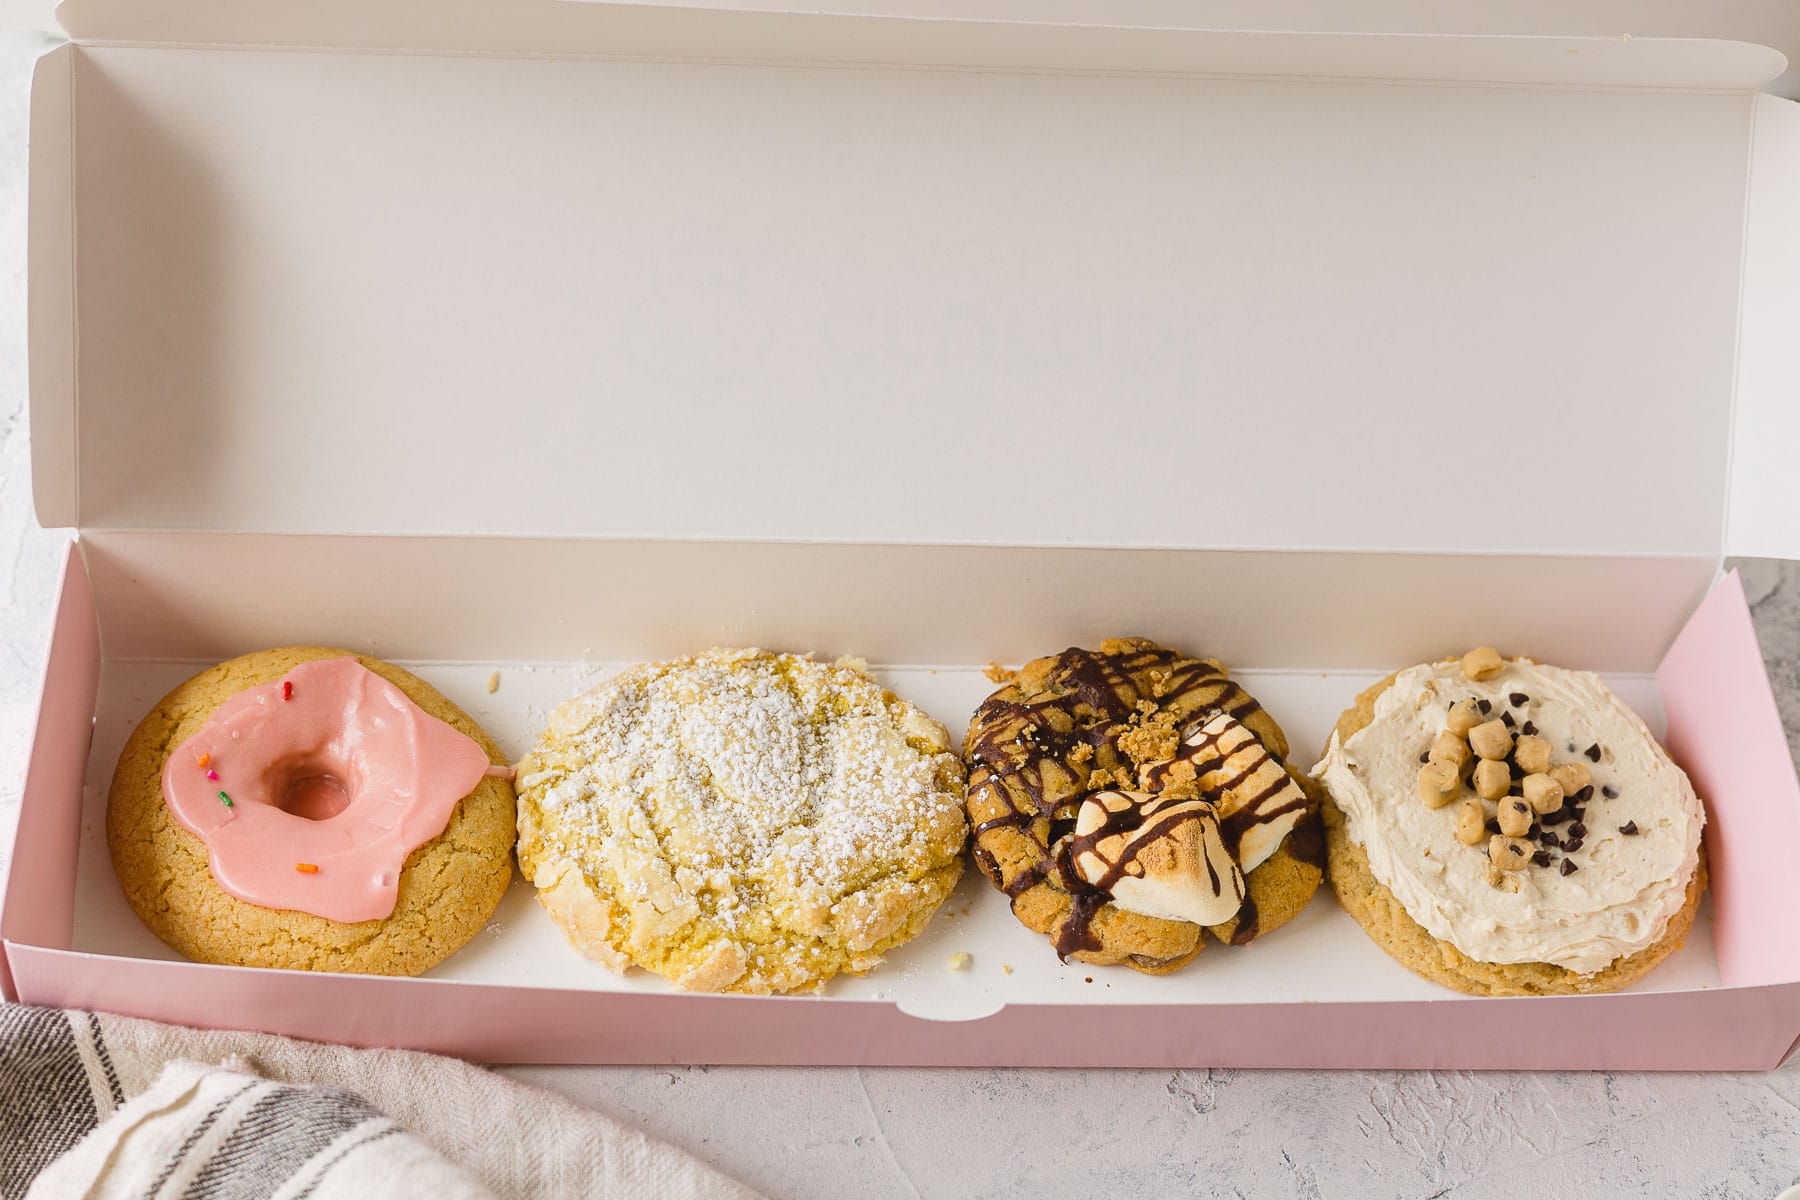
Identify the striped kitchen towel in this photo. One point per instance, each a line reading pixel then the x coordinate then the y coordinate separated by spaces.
pixel 99 1106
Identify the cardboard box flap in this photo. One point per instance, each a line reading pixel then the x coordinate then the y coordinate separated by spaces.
pixel 50 269
pixel 1764 519
pixel 1025 40
pixel 356 293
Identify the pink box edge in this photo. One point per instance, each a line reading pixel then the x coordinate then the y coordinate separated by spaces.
pixel 1748 1028
pixel 1725 729
pixel 55 762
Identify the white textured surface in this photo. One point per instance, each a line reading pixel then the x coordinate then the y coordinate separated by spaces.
pixel 881 1133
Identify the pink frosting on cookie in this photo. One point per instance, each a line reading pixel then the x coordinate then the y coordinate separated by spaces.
pixel 333 776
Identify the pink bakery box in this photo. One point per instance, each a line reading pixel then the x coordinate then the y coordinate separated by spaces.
pixel 526 338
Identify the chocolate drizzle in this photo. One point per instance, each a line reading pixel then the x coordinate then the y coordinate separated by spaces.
pixel 1249 923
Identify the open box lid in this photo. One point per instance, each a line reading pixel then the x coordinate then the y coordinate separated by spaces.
pixel 599 270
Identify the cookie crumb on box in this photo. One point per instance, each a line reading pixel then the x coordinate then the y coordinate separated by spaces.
pixel 997 673
pixel 1006 968
pixel 959 961
pixel 493 682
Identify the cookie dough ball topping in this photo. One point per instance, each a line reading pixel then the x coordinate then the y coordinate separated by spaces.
pixel 1482 663
pixel 1158 856
pixel 1514 768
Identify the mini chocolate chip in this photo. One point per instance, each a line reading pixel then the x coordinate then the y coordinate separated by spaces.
pixel 1518 699
pixel 1629 828
pixel 1528 729
pixel 1609 791
pixel 1493 826
pixel 1541 858
pixel 1568 868
pixel 1514 848
pixel 1578 830
pixel 1515 789
pixel 1506 719
pixel 1534 830
pixel 1593 752
pixel 1572 845
pixel 1550 839
pixel 1425 756
pixel 1515 769
pixel 1571 747
pixel 1484 706
pixel 1560 816
pixel 1585 794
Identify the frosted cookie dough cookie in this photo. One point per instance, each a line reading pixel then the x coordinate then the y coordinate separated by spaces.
pixel 311 808
pixel 1508 828
pixel 1128 798
pixel 741 821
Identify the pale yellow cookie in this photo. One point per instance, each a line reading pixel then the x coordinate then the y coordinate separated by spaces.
pixel 741 821
pixel 448 888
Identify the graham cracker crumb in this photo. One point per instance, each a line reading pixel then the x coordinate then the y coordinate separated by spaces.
pixel 997 673
pixel 1186 789
pixel 1154 739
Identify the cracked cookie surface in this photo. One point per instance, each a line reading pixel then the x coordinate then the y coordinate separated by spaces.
pixel 447 890
pixel 741 821
pixel 1137 726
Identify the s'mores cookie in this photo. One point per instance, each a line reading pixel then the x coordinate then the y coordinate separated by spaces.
pixel 1130 798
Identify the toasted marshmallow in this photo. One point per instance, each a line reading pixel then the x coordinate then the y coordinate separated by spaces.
pixel 1252 789
pixel 1161 858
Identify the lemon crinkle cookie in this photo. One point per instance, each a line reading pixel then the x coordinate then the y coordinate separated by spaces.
pixel 741 821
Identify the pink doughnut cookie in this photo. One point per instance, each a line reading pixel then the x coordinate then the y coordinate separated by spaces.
pixel 311 808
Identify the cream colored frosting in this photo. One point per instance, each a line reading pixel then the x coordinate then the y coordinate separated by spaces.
pixel 1626 887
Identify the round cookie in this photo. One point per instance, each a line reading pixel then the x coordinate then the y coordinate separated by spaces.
pixel 445 893
pixel 1385 919
pixel 741 821
pixel 1136 729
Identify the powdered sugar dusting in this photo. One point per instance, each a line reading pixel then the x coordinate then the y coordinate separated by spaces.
pixel 791 808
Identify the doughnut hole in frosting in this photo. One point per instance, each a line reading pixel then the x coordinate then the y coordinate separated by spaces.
pixel 313 787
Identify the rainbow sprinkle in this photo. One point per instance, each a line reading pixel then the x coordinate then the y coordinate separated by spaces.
pixel 204 761
pixel 212 774
pixel 287 689
pixel 226 799
pixel 307 868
